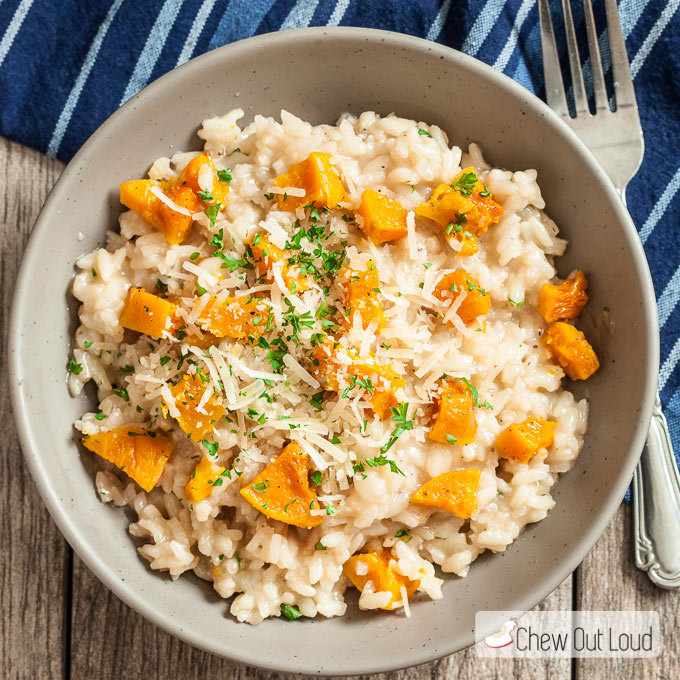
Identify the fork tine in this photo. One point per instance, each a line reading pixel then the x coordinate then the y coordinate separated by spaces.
pixel 580 99
pixel 623 83
pixel 554 86
pixel 599 87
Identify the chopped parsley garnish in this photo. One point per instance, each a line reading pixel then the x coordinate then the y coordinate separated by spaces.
pixel 194 255
pixel 404 534
pixel 382 460
pixel 205 196
pixel 330 510
pixel 451 439
pixel 260 487
pixel 366 383
pixel 99 416
pixel 466 183
pixel 285 509
pixel 87 344
pixel 123 393
pixel 224 175
pixel 486 191
pixel 126 369
pixel 75 367
pixel 211 212
pixel 475 395
pixel 200 290
pixel 423 133
pixel 319 546
pixel 292 613
pixel 517 304
pixel 212 447
pixel 163 287
pixel 164 360
pixel 316 477
pixel 316 400
pixel 399 416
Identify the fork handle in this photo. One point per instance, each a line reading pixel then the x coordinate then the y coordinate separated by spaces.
pixel 656 500
pixel 656 506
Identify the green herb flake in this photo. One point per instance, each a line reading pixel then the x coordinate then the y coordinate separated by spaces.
pixel 319 546
pixel 224 175
pixel 451 439
pixel 423 133
pixel 260 487
pixel 75 367
pixel 466 183
pixel 210 446
pixel 99 416
pixel 291 613
pixel 211 212
pixel 513 302
pixel 316 477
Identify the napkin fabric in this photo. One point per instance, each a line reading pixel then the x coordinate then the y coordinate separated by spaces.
pixel 65 65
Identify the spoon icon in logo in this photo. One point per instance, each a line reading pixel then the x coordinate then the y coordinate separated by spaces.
pixel 503 637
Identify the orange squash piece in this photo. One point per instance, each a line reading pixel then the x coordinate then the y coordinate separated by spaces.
pixel 454 420
pixel 281 491
pixel 363 296
pixel 137 196
pixel 187 394
pixel 139 453
pixel 384 219
pixel 344 368
pixel 380 573
pixel 147 313
pixel 202 481
pixel 317 176
pixel 569 348
pixel 565 300
pixel 521 441
pixel 234 317
pixel 464 209
pixel 190 175
pixel 265 254
pixel 476 302
pixel 175 225
pixel 454 492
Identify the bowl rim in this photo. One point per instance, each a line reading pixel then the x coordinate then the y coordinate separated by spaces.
pixel 59 512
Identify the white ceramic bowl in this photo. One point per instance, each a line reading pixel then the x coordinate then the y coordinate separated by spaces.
pixel 317 74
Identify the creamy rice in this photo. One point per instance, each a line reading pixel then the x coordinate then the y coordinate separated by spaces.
pixel 264 563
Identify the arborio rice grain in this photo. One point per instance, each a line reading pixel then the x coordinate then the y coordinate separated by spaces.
pixel 264 564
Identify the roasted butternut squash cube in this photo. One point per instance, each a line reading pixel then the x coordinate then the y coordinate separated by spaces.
pixel 454 492
pixel 376 568
pixel 476 302
pixel 565 300
pixel 569 348
pixel 140 453
pixel 195 174
pixel 196 420
pixel 454 419
pixel 234 317
pixel 266 254
pixel 363 296
pixel 147 313
pixel 137 196
pixel 176 225
pixel 203 480
pixel 344 370
pixel 384 219
pixel 281 491
pixel 320 180
pixel 521 441
pixel 464 209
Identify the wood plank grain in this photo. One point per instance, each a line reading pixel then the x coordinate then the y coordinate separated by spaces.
pixel 112 642
pixel 609 580
pixel 34 557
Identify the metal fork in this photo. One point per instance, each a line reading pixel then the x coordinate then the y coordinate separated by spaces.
pixel 615 139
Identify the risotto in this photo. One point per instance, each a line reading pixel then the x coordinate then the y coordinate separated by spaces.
pixel 329 357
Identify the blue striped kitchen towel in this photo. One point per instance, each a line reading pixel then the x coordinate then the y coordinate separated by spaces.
pixel 65 65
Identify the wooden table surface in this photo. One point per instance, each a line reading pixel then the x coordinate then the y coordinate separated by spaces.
pixel 59 621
